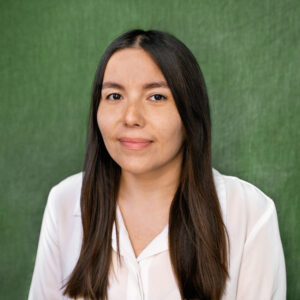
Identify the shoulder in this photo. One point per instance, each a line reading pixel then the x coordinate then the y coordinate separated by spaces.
pixel 64 197
pixel 244 203
pixel 256 255
pixel 69 184
pixel 61 231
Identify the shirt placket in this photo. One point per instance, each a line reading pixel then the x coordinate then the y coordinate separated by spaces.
pixel 135 269
pixel 131 261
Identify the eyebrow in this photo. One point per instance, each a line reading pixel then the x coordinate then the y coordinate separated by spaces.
pixel 146 86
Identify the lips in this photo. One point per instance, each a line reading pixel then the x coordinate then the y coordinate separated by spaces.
pixel 134 143
pixel 134 140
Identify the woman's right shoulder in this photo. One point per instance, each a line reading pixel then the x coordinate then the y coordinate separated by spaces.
pixel 69 183
pixel 61 230
pixel 64 197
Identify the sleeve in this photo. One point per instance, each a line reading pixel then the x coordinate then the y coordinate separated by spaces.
pixel 47 277
pixel 262 273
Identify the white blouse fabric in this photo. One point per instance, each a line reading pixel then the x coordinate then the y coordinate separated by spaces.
pixel 257 266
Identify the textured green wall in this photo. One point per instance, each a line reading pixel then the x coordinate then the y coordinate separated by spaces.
pixel 249 54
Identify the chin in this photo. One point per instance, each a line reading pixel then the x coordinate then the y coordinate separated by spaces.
pixel 136 168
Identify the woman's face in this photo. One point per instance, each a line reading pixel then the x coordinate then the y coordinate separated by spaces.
pixel 137 115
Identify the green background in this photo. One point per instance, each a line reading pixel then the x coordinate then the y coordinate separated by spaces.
pixel 249 54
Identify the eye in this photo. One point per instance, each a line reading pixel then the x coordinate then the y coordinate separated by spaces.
pixel 158 97
pixel 113 96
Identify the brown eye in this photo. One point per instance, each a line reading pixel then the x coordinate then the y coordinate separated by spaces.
pixel 158 97
pixel 113 96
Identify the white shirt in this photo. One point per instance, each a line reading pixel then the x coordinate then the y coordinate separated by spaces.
pixel 257 267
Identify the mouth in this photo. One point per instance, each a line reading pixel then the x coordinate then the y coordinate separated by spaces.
pixel 135 143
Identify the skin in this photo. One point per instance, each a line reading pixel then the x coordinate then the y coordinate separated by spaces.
pixel 149 176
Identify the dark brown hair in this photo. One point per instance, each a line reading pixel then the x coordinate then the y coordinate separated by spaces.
pixel 198 238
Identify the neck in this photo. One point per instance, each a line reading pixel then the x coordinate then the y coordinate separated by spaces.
pixel 152 190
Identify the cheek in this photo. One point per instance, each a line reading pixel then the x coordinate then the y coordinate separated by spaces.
pixel 172 132
pixel 100 122
pixel 178 136
pixel 104 121
pixel 104 127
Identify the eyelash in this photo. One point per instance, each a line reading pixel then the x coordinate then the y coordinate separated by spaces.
pixel 157 100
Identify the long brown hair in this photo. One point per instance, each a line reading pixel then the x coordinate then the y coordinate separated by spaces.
pixel 198 238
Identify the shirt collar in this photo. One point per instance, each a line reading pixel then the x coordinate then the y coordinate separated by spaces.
pixel 157 245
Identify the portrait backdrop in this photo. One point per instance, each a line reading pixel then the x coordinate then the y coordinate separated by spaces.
pixel 248 52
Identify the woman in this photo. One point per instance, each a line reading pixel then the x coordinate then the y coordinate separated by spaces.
pixel 148 218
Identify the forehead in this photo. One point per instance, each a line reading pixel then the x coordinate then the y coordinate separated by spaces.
pixel 132 64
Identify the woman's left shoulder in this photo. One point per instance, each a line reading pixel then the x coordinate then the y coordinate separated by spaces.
pixel 242 199
pixel 256 253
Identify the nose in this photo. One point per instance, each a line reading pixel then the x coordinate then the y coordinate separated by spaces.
pixel 133 115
